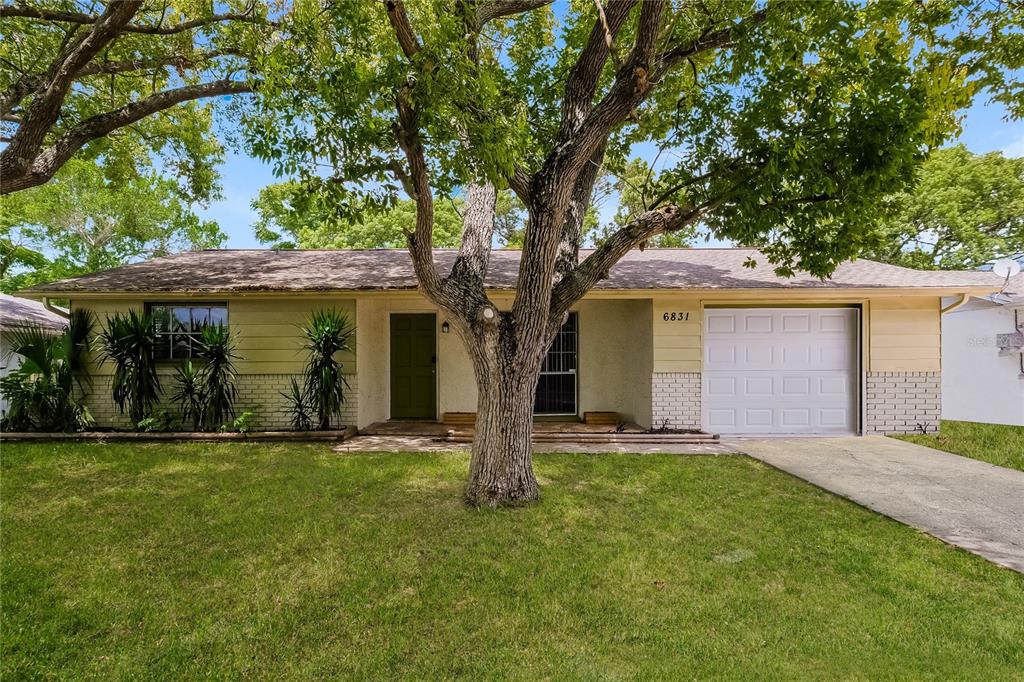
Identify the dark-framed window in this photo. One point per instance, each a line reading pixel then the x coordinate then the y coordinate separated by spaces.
pixel 178 326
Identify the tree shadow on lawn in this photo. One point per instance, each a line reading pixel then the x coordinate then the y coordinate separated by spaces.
pixel 289 560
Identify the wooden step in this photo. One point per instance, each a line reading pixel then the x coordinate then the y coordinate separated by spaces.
pixel 602 418
pixel 459 418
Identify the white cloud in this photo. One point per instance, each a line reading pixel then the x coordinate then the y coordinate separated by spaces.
pixel 1016 148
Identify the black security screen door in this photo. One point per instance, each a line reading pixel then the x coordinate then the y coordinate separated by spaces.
pixel 556 390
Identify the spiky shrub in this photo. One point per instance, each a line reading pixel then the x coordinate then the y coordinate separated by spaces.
pixel 216 353
pixel 188 394
pixel 326 333
pixel 298 406
pixel 41 391
pixel 128 342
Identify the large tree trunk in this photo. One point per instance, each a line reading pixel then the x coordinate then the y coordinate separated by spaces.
pixel 501 468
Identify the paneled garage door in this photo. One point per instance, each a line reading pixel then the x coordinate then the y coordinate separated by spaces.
pixel 780 370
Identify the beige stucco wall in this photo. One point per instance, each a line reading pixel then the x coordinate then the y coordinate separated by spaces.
pixel 456 385
pixel 615 358
pixel 614 355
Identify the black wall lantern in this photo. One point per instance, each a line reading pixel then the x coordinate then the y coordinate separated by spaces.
pixel 445 327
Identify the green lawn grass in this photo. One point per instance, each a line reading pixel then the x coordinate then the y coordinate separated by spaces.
pixel 292 561
pixel 993 443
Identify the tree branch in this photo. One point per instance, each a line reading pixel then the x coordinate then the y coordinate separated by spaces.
pixel 27 84
pixel 42 113
pixel 497 9
pixel 470 266
pixel 581 83
pixel 26 12
pixel 42 166
pixel 708 41
pixel 399 19
pixel 596 266
pixel 178 60
pixel 576 214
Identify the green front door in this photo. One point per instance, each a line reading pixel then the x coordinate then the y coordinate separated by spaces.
pixel 413 366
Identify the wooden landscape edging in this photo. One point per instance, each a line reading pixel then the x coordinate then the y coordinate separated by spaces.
pixel 338 435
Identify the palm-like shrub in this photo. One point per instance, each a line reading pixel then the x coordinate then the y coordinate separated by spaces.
pixel 216 350
pixel 188 394
pixel 298 405
pixel 41 391
pixel 326 333
pixel 128 341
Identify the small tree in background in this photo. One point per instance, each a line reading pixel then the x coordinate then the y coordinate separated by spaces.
pixel 965 210
pixel 128 341
pixel 326 333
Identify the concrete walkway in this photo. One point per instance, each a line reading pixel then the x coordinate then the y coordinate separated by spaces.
pixel 967 503
pixel 390 443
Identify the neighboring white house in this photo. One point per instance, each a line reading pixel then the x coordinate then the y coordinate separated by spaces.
pixel 17 313
pixel 982 382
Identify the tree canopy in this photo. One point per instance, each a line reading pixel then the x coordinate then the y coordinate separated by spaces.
pixel 121 81
pixel 81 222
pixel 965 210
pixel 782 123
pixel 289 218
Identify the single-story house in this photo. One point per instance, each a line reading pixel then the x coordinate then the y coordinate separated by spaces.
pixel 18 313
pixel 679 338
pixel 983 358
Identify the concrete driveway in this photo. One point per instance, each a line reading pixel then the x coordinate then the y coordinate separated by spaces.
pixel 967 503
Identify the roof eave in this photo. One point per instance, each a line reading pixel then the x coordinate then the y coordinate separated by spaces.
pixel 945 290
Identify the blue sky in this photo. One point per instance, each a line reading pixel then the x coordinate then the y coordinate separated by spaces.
pixel 984 130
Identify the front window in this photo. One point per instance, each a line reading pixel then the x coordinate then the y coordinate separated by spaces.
pixel 179 326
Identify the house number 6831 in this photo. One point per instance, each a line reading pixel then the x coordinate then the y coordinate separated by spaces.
pixel 676 317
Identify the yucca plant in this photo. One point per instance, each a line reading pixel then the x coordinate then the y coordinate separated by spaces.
pixel 298 405
pixel 216 350
pixel 40 392
pixel 128 341
pixel 188 394
pixel 326 333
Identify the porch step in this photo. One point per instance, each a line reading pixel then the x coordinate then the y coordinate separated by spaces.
pixel 459 418
pixel 601 418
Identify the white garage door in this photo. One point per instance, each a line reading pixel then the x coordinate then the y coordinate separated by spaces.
pixel 780 370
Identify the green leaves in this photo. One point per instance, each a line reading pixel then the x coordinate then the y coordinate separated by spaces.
pixel 128 341
pixel 326 333
pixel 789 131
pixel 87 222
pixel 965 210
pixel 215 352
pixel 41 391
pixel 291 217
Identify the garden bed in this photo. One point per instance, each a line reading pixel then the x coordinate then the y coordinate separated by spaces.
pixel 334 435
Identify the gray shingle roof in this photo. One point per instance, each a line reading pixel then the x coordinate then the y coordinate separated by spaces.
pixel 225 271
pixel 16 313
